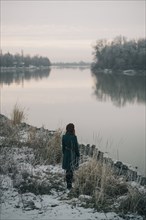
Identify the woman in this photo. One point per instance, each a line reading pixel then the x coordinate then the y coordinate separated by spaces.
pixel 71 154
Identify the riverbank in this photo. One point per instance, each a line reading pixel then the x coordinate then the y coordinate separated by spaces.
pixel 33 186
pixel 128 72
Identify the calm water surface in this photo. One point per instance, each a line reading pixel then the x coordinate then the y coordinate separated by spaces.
pixel 108 111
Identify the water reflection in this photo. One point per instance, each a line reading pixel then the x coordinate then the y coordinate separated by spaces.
pixel 9 77
pixel 121 89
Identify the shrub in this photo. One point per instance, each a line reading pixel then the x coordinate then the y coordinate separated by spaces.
pixel 47 148
pixel 97 179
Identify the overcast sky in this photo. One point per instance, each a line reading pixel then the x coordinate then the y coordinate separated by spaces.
pixel 67 30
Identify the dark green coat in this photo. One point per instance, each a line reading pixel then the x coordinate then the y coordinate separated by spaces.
pixel 70 151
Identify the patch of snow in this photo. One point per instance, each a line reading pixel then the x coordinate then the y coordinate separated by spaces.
pixel 85 197
pixel 15 206
pixel 136 185
pixel 48 207
pixel 23 136
pixel 2 139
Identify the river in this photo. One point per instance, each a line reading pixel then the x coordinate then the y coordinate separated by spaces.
pixel 107 110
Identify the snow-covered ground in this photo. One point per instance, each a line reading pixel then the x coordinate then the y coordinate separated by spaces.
pixel 56 206
pixel 20 178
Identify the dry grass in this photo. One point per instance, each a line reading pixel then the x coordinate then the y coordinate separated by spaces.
pixel 98 180
pixel 134 201
pixel 47 148
pixel 17 115
pixel 54 148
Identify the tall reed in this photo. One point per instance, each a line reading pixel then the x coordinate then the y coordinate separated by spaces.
pixel 97 179
pixel 17 115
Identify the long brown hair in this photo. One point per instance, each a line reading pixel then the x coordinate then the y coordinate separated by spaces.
pixel 70 128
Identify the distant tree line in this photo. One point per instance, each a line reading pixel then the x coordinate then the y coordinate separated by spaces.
pixel 19 60
pixel 120 54
pixel 81 63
